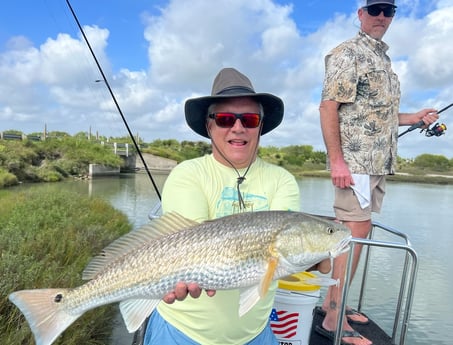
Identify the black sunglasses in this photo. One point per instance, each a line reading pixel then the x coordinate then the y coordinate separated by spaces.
pixel 375 10
pixel 227 119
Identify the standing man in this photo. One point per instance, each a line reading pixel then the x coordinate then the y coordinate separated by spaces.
pixel 230 180
pixel 359 119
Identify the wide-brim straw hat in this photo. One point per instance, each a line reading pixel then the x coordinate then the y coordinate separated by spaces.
pixel 231 83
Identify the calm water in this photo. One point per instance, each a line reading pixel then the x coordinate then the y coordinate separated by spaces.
pixel 421 211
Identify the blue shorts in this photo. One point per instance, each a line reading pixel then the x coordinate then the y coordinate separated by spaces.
pixel 161 332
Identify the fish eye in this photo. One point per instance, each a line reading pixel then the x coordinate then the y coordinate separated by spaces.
pixel 58 298
pixel 330 230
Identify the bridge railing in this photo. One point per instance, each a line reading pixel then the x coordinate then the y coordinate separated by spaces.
pixel 121 149
pixel 11 136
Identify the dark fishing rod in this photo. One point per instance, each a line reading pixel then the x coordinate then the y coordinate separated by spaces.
pixel 421 123
pixel 104 79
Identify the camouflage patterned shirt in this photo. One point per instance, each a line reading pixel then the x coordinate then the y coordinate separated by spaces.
pixel 359 75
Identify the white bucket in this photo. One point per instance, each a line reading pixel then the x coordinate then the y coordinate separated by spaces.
pixel 292 314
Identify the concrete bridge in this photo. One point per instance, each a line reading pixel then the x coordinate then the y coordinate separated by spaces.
pixel 127 153
pixel 132 162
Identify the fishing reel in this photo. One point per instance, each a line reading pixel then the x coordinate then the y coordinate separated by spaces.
pixel 437 130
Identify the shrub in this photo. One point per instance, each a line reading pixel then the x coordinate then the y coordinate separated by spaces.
pixel 7 179
pixel 434 162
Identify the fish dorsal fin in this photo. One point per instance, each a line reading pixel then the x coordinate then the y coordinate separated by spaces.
pixel 167 224
pixel 135 312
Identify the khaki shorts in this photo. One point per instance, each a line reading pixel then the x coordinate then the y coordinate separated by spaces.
pixel 347 206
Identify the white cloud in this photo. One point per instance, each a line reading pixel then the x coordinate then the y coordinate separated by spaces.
pixel 188 42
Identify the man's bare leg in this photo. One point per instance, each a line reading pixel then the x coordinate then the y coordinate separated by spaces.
pixel 332 302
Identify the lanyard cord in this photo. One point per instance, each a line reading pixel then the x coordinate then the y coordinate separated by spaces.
pixel 240 178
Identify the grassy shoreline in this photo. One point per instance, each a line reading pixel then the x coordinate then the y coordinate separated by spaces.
pixel 47 239
pixel 398 177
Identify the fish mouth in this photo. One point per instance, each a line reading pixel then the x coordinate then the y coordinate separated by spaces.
pixel 341 248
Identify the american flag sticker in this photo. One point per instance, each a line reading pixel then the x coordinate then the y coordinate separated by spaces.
pixel 284 323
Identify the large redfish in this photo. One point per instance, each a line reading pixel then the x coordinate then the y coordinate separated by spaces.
pixel 245 251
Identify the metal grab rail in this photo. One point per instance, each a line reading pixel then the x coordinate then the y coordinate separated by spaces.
pixel 407 286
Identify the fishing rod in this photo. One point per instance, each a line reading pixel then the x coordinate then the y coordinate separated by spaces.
pixel 104 79
pixel 437 130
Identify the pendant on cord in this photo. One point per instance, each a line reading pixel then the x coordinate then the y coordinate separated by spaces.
pixel 240 198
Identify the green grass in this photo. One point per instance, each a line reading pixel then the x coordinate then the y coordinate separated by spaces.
pixel 46 240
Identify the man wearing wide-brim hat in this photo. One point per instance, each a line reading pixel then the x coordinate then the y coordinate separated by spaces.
pixel 230 180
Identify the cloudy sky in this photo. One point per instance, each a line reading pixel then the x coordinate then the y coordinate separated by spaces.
pixel 156 54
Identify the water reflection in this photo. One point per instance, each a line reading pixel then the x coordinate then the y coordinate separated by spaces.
pixel 131 193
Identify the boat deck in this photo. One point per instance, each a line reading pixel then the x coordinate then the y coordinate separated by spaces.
pixel 371 331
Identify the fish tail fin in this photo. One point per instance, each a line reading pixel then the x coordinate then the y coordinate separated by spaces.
pixel 42 310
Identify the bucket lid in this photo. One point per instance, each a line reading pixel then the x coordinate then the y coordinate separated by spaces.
pixel 296 282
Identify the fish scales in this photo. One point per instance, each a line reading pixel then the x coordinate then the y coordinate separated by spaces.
pixel 217 255
pixel 239 251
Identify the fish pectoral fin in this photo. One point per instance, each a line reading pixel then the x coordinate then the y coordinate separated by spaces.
pixel 248 298
pixel 268 276
pixel 251 295
pixel 135 312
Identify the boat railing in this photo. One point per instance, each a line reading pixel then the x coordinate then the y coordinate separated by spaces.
pixel 156 211
pixel 407 284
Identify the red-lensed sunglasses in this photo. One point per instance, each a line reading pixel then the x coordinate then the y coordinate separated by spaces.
pixel 227 120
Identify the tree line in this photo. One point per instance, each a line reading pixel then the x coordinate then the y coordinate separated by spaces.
pixel 61 155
